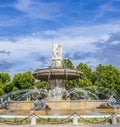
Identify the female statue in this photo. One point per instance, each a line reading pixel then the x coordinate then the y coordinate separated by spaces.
pixel 57 50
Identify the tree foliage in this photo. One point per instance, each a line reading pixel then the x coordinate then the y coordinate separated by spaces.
pixel 4 81
pixel 67 63
pixel 23 80
pixel 103 81
pixel 8 87
pixel 43 84
pixel 85 80
pixel 4 77
pixel 108 77
pixel 87 71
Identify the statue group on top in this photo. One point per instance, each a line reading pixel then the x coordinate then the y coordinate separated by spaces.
pixel 57 50
pixel 57 55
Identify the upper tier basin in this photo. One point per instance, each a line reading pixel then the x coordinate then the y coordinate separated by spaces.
pixel 57 73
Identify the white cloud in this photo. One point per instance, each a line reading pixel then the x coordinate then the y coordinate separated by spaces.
pixel 82 37
pixel 23 46
pixel 116 42
pixel 38 9
pixel 25 50
pixel 105 8
pixel 6 21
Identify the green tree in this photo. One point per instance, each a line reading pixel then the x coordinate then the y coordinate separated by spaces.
pixel 15 88
pixel 83 82
pixel 23 80
pixel 67 63
pixel 69 84
pixel 4 80
pixel 87 71
pixel 43 85
pixel 8 87
pixel 4 77
pixel 108 76
pixel 85 79
pixel 1 92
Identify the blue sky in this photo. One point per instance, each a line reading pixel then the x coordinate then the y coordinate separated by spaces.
pixel 89 31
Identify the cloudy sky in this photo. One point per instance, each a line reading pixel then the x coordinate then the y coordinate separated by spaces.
pixel 89 31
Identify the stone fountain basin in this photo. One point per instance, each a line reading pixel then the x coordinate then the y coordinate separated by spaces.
pixel 63 107
pixel 57 73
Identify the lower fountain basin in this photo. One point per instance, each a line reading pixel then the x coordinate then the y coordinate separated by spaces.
pixel 63 107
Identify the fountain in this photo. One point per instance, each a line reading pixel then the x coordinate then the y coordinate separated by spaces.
pixel 57 100
pixel 56 74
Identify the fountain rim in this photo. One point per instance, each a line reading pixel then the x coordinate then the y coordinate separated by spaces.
pixel 57 73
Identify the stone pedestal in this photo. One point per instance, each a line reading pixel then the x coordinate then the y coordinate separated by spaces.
pixel 56 63
pixel 75 119
pixel 114 119
pixel 33 120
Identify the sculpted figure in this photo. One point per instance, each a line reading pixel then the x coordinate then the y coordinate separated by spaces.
pixel 57 50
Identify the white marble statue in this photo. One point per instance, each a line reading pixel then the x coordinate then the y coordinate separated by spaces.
pixel 57 50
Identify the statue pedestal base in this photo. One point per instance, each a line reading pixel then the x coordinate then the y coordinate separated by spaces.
pixel 56 63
